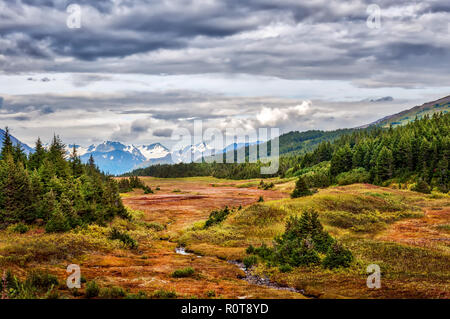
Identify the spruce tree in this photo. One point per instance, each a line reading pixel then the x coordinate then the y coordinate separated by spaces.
pixel 301 188
pixel 7 147
pixel 37 157
pixel 384 164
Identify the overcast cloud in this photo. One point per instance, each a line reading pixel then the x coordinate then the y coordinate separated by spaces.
pixel 137 70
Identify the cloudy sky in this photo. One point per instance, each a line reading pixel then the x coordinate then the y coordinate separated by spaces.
pixel 136 70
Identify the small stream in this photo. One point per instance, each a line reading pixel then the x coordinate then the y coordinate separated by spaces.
pixel 182 251
pixel 261 281
pixel 252 279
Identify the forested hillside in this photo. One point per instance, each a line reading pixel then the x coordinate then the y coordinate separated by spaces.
pixel 417 152
pixel 46 189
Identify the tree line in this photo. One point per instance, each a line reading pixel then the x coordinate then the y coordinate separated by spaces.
pixel 48 189
pixel 418 151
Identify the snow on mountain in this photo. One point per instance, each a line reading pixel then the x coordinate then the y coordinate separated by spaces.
pixel 153 151
pixel 80 149
pixel 117 158
pixel 192 153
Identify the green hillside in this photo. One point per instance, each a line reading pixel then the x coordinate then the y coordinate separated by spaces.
pixel 404 117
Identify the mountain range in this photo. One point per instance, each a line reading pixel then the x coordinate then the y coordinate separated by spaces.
pixel 117 158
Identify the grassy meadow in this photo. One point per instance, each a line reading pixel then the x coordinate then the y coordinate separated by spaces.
pixel 404 232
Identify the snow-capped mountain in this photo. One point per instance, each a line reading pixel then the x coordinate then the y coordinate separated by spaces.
pixel 192 153
pixel 153 151
pixel 117 158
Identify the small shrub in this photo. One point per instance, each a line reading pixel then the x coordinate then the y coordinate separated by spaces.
pixel 139 295
pixel 112 292
pixel 260 199
pixel 422 187
pixel 52 293
pixel 164 294
pixel 182 273
pixel 301 188
pixel 249 261
pixel 176 191
pixel 19 228
pixel 155 226
pixel 210 294
pixel 92 289
pixel 123 237
pixel 147 190
pixel 357 175
pixel 41 280
pixel 217 217
pixel 266 186
pixel 157 188
pixel 285 268
pixel 337 256
pixel 75 292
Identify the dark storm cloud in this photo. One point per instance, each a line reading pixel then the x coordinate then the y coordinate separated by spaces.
pixel 287 38
pixel 163 132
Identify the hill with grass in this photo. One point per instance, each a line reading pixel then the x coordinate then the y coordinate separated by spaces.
pixel 406 116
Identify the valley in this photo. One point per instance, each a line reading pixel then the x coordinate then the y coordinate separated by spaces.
pixel 174 217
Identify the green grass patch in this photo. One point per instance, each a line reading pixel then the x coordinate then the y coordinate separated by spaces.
pixel 182 273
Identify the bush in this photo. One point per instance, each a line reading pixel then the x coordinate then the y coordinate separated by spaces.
pixel 155 226
pixel 300 245
pixel 357 175
pixel 58 223
pixel 182 273
pixel 285 268
pixel 92 289
pixel 147 190
pixel 337 256
pixel 210 294
pixel 249 261
pixel 422 187
pixel 139 295
pixel 217 217
pixel 164 294
pixel 301 189
pixel 112 293
pixel 20 228
pixel 41 280
pixel 266 186
pixel 260 199
pixel 123 237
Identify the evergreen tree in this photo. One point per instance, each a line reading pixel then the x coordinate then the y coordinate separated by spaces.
pixel 19 154
pixel 37 157
pixel 75 163
pixel 384 164
pixel 301 188
pixel 7 147
pixel 341 161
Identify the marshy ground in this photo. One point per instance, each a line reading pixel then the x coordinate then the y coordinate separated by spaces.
pixel 406 233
